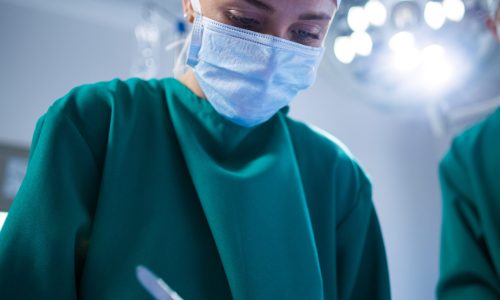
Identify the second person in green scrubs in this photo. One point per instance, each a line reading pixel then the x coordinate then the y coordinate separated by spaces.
pixel 470 182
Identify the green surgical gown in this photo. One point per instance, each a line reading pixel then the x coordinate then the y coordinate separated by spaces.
pixel 129 173
pixel 470 243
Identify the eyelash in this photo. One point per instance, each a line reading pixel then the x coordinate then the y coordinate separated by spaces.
pixel 305 35
pixel 242 22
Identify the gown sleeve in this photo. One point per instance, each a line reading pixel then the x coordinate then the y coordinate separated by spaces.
pixel 362 262
pixel 466 271
pixel 47 231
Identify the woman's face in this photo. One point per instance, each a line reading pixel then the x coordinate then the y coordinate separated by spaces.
pixel 301 21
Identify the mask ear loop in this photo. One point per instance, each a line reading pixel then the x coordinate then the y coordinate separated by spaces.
pixel 180 66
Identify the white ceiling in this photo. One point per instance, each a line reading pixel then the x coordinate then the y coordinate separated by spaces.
pixel 117 13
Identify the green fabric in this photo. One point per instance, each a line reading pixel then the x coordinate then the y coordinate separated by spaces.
pixel 470 245
pixel 145 172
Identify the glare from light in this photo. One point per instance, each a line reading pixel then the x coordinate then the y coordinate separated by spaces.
pixel 376 12
pixel 407 60
pixel 344 49
pixel 362 43
pixel 437 69
pixel 3 216
pixel 357 19
pixel 454 9
pixel 433 53
pixel 402 41
pixel 434 15
pixel 147 32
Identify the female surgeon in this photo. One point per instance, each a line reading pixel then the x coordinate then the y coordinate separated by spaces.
pixel 205 180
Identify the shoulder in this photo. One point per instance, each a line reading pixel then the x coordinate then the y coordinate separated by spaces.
pixel 473 156
pixel 323 149
pixel 92 108
pixel 329 172
pixel 96 103
pixel 102 97
pixel 477 142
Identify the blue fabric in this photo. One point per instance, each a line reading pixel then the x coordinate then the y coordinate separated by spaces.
pixel 248 76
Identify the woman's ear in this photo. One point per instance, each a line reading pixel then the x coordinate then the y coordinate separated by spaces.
pixel 188 11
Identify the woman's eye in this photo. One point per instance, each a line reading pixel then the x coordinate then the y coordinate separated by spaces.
pixel 247 23
pixel 303 36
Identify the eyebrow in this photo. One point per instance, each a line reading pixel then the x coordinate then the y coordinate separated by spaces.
pixel 315 16
pixel 305 17
pixel 261 5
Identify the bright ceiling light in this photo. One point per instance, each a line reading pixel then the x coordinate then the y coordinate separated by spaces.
pixel 454 9
pixel 376 12
pixel 402 41
pixel 362 43
pixel 437 70
pixel 357 19
pixel 344 49
pixel 407 60
pixel 434 15
pixel 433 53
pixel 147 32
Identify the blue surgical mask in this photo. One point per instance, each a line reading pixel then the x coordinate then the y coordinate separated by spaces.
pixel 247 76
